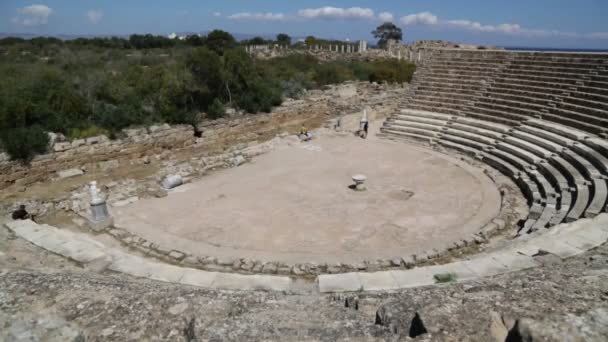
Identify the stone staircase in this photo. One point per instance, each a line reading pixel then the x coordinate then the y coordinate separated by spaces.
pixel 561 170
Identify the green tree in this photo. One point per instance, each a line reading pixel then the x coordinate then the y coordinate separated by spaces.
pixel 257 41
pixel 283 39
pixel 207 68
pixel 219 41
pixel 310 41
pixel 387 31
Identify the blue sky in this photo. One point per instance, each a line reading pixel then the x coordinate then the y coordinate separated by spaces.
pixel 538 23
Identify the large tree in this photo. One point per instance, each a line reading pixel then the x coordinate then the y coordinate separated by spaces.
pixel 387 31
pixel 219 41
pixel 283 39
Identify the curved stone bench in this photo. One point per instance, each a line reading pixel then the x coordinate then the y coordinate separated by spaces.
pixel 519 152
pixel 564 208
pixel 550 136
pixel 598 200
pixel 568 132
pixel 424 114
pixel 478 114
pixel 566 241
pixel 456 130
pixel 591 154
pixel 557 178
pixel 406 134
pixel 461 139
pixel 580 204
pixel 81 248
pixel 581 164
pixel 530 147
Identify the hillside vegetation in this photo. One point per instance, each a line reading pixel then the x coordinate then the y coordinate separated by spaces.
pixel 87 87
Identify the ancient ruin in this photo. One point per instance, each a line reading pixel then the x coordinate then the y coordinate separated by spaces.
pixel 487 172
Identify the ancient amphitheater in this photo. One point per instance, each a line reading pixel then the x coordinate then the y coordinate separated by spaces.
pixel 490 164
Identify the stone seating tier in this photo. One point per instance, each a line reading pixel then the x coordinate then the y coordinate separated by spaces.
pixel 562 176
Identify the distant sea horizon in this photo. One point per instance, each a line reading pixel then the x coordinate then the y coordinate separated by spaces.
pixel 532 48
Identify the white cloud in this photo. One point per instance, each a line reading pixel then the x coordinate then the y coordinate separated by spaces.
pixel 423 18
pixel 429 19
pixel 336 13
pixel 94 16
pixel 258 16
pixel 217 14
pixel 598 35
pixel 33 15
pixel 386 16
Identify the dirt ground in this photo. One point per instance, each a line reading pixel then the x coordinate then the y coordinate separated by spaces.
pixel 295 204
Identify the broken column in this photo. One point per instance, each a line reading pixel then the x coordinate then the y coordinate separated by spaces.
pixel 99 208
pixel 100 218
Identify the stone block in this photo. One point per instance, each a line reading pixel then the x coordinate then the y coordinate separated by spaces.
pixel 96 140
pixel 70 173
pixel 77 143
pixel 62 146
pixel 172 181
pixel 108 165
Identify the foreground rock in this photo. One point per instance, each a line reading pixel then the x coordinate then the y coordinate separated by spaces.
pixel 72 304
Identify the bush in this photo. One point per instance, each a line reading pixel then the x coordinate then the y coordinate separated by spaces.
pixel 333 73
pixel 261 97
pixel 292 88
pixel 91 131
pixel 216 110
pixel 24 143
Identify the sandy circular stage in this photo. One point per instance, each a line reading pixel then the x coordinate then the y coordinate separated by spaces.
pixel 294 205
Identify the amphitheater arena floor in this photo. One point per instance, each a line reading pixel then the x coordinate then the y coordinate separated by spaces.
pixel 294 205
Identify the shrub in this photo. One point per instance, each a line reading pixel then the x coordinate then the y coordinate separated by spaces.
pixel 216 110
pixel 24 143
pixel 333 73
pixel 292 88
pixel 90 131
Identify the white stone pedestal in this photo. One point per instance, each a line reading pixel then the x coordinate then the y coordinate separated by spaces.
pixel 360 182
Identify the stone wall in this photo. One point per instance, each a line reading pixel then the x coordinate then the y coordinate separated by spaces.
pixel 99 154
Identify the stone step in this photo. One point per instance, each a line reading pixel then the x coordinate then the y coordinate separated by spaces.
pixel 558 179
pixel 411 130
pixel 408 135
pixel 466 134
pixel 537 140
pixel 544 219
pixel 462 126
pixel 569 171
pixel 519 152
pixel 562 212
pixel 544 134
pixel 568 132
pixel 530 147
pixel 582 164
pixel 516 161
pixel 487 125
pixel 470 151
pixel 580 204
pixel 417 119
pixel 463 141
pixel 415 125
pixel 599 199
pixel 426 114
pixel 600 145
pixel 501 165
